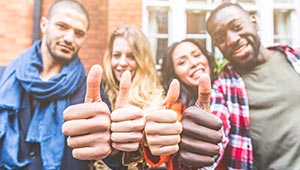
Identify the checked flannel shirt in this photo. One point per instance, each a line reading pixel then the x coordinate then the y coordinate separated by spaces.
pixel 230 103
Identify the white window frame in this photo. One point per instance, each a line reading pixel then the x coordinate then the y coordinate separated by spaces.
pixel 177 19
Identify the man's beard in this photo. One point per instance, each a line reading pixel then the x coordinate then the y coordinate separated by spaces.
pixel 249 65
pixel 58 58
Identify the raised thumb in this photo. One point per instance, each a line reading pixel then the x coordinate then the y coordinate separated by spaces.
pixel 125 82
pixel 172 94
pixel 204 90
pixel 93 84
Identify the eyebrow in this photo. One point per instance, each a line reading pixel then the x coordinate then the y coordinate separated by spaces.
pixel 70 26
pixel 192 52
pixel 229 23
pixel 196 51
pixel 119 52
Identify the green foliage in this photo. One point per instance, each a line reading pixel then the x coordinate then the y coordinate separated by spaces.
pixel 221 62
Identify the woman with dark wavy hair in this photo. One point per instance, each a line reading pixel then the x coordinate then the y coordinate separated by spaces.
pixel 186 61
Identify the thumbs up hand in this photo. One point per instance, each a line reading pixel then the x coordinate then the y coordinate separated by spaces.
pixel 200 136
pixel 127 120
pixel 162 129
pixel 87 124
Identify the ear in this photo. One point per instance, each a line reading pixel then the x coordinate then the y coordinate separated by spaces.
pixel 44 24
pixel 254 22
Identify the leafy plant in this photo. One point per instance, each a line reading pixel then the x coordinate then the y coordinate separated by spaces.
pixel 221 62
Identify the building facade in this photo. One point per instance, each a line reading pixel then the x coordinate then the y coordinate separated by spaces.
pixel 166 21
pixel 163 21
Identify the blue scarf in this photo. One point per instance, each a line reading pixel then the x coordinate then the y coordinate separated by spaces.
pixel 22 76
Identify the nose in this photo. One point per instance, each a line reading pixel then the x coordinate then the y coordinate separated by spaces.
pixel 193 61
pixel 69 35
pixel 231 38
pixel 123 60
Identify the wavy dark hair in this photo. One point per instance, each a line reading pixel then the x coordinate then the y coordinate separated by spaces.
pixel 188 95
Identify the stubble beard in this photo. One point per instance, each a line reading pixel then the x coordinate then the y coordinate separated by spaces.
pixel 249 65
pixel 58 57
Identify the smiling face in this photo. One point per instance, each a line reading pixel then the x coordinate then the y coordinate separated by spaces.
pixel 189 63
pixel 234 32
pixel 64 33
pixel 122 58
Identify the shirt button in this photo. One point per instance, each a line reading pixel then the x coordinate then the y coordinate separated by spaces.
pixel 32 155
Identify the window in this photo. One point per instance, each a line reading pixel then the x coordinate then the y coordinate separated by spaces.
pixel 247 1
pixel 167 21
pixel 282 27
pixel 196 0
pixel 196 26
pixel 283 1
pixel 158 31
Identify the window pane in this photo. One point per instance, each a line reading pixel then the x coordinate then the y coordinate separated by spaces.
pixel 249 1
pixel 158 20
pixel 159 46
pixel 196 0
pixel 282 1
pixel 282 26
pixel 196 22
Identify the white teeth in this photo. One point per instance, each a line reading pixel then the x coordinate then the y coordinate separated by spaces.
pixel 240 49
pixel 197 73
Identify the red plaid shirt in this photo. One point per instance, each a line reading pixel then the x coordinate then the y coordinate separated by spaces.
pixel 230 103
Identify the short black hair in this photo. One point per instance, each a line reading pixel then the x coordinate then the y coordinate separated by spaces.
pixel 222 6
pixel 74 4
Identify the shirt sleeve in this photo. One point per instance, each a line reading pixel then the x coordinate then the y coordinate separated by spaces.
pixel 218 107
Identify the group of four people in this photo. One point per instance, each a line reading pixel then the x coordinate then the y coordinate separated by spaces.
pixel 125 116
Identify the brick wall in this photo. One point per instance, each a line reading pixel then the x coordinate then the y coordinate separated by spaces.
pixel 16 18
pixel 15 29
pixel 124 12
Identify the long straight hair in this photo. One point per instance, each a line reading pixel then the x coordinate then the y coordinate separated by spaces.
pixel 145 86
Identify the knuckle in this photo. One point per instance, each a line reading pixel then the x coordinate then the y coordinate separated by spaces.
pixel 65 129
pixel 210 161
pixel 69 142
pixel 155 151
pixel 176 149
pixel 182 156
pixel 188 113
pixel 217 151
pixel 149 128
pixel 105 150
pixel 150 140
pixel 136 147
pixel 140 125
pixel 219 137
pixel 66 113
pixel 179 127
pixel 77 155
pixel 178 139
pixel 104 137
pixel 219 123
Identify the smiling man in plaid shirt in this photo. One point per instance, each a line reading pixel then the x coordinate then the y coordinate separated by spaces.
pixel 257 95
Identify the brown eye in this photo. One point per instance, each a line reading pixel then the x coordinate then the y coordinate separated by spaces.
pixel 237 27
pixel 116 55
pixel 197 55
pixel 79 34
pixel 61 26
pixel 181 62
pixel 131 56
pixel 218 39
